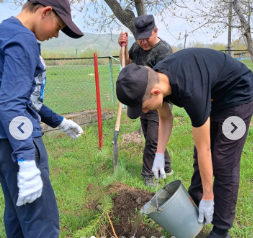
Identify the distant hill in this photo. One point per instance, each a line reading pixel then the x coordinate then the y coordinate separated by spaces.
pixel 105 44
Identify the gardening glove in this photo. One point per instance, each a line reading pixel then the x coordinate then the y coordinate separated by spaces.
pixel 29 182
pixel 206 209
pixel 158 165
pixel 71 128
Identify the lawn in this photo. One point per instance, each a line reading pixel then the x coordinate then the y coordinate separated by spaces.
pixel 71 88
pixel 248 63
pixel 71 85
pixel 73 170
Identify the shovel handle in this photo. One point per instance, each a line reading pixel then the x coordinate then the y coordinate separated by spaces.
pixel 123 54
pixel 123 62
pixel 117 125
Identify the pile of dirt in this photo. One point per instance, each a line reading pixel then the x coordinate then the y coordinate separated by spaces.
pixel 125 215
pixel 127 202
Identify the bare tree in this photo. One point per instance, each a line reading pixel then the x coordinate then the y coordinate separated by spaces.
pixel 218 16
pixel 111 15
pixel 243 10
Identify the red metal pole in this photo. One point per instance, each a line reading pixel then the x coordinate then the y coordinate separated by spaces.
pixel 99 115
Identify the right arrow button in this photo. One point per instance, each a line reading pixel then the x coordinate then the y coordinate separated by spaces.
pixel 234 128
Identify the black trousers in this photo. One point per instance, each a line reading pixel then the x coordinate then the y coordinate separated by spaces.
pixel 226 155
pixel 150 126
pixel 39 219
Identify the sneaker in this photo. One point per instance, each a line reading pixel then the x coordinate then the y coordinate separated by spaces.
pixel 149 181
pixel 169 171
pixel 215 235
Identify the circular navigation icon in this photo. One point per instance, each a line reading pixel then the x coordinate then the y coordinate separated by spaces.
pixel 234 128
pixel 21 128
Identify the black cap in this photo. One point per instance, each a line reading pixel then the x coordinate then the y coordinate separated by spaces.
pixel 130 88
pixel 62 9
pixel 144 26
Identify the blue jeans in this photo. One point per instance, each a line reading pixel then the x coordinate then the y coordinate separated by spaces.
pixel 39 219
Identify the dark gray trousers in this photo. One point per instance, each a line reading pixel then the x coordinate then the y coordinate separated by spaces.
pixel 150 126
pixel 226 156
pixel 39 219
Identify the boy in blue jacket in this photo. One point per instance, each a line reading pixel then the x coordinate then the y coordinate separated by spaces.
pixel 30 204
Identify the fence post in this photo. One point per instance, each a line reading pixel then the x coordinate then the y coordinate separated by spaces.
pixel 99 115
pixel 110 65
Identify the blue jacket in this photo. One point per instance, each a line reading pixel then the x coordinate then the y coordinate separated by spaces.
pixel 21 72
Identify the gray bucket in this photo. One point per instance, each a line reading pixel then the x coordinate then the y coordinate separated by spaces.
pixel 174 210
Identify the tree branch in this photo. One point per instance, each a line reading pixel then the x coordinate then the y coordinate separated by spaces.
pixel 241 16
pixel 126 17
pixel 245 28
pixel 140 7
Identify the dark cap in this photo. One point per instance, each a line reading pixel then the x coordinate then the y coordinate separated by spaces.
pixel 144 26
pixel 130 88
pixel 62 9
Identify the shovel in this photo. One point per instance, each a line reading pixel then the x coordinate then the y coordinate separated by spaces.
pixel 117 125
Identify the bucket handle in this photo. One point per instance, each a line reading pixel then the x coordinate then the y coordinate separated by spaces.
pixel 156 199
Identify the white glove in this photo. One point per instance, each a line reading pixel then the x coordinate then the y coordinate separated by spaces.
pixel 71 128
pixel 29 182
pixel 206 209
pixel 158 165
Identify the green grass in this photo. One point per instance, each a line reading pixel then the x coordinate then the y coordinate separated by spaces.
pixel 71 85
pixel 248 63
pixel 71 88
pixel 72 171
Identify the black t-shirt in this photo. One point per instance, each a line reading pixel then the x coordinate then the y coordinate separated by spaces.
pixel 205 80
pixel 150 57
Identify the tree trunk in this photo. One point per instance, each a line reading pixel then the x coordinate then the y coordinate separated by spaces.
pixel 230 28
pixel 126 17
pixel 141 10
pixel 140 7
pixel 245 28
pixel 248 42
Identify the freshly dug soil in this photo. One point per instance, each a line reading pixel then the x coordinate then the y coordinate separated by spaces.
pixel 124 216
pixel 126 201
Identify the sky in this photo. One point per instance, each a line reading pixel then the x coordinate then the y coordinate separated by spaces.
pixel 176 26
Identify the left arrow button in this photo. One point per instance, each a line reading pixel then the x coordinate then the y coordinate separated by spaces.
pixel 21 128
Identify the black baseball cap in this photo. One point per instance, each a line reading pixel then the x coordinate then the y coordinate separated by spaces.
pixel 144 26
pixel 62 9
pixel 130 88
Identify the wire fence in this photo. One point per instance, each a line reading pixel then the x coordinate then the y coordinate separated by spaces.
pixel 238 54
pixel 70 85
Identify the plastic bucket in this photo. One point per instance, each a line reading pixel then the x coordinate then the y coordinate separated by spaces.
pixel 174 210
